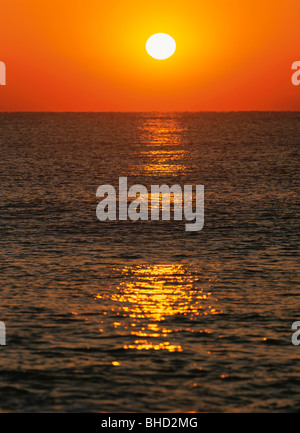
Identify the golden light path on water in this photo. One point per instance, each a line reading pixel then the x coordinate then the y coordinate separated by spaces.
pixel 157 135
pixel 150 299
pixel 156 306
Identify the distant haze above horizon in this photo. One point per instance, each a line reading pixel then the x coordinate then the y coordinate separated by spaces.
pixel 90 56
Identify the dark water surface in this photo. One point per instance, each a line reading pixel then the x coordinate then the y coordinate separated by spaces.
pixel 144 316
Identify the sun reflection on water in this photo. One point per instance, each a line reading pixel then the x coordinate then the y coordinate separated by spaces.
pixel 165 143
pixel 154 303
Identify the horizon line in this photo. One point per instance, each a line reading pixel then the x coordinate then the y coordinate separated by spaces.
pixel 148 111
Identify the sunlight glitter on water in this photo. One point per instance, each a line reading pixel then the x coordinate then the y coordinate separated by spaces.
pixel 151 297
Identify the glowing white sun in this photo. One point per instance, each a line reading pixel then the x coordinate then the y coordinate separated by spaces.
pixel 160 46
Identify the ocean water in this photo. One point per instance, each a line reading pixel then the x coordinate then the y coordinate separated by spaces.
pixel 144 316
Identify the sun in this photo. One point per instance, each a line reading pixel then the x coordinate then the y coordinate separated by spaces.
pixel 160 46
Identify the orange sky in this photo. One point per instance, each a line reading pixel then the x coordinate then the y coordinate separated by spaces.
pixel 89 55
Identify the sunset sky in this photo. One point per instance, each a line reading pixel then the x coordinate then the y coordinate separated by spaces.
pixel 89 55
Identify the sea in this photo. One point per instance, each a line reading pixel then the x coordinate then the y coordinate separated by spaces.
pixel 144 316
